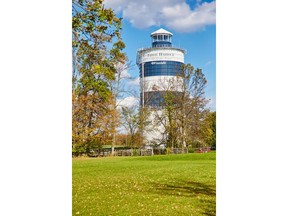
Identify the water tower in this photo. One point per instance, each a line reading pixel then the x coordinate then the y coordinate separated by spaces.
pixel 159 67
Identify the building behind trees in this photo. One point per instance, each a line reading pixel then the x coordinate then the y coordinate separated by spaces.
pixel 160 69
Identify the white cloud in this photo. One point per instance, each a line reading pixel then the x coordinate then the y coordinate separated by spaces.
pixel 117 5
pixel 125 74
pixel 174 14
pixel 134 82
pixel 212 104
pixel 129 101
pixel 208 63
pixel 123 70
pixel 182 19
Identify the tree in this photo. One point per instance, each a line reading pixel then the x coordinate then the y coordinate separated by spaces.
pixel 117 88
pixel 131 123
pixel 184 109
pixel 211 120
pixel 97 47
pixel 193 106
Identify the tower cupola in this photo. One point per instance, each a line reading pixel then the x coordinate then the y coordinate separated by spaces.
pixel 161 38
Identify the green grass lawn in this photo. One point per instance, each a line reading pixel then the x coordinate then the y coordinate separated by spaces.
pixel 152 185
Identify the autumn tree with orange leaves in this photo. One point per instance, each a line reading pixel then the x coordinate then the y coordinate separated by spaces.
pixel 97 47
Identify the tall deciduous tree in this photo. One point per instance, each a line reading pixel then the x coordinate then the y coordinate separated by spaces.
pixel 184 109
pixel 97 48
pixel 193 106
pixel 117 88
pixel 130 118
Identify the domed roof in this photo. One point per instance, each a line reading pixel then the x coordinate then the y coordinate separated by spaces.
pixel 161 31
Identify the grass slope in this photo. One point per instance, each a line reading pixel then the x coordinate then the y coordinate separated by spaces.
pixel 153 185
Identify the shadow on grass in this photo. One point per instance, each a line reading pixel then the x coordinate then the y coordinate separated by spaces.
pixel 206 194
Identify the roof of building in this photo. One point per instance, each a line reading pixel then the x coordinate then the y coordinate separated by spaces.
pixel 161 31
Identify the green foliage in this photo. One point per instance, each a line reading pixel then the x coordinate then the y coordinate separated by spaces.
pixel 78 150
pixel 148 185
pixel 190 149
pixel 213 127
pixel 185 111
pixel 135 152
pixel 130 119
pixel 97 47
pixel 197 144
pixel 168 151
pixel 211 121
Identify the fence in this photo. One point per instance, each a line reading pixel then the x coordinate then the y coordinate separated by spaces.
pixel 134 152
pixel 142 152
pixel 202 149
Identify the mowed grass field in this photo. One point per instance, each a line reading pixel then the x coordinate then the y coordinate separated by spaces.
pixel 152 185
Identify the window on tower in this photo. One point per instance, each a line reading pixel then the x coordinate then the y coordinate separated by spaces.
pixel 170 68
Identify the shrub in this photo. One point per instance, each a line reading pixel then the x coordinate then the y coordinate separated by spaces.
pixel 135 152
pixel 168 150
pixel 190 149
pixel 78 150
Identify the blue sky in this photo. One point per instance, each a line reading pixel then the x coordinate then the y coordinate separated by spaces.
pixel 192 23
